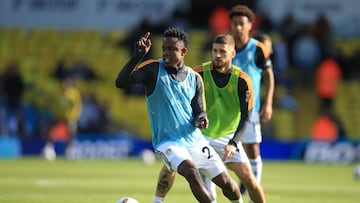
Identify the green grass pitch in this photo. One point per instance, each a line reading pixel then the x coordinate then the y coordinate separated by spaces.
pixel 34 180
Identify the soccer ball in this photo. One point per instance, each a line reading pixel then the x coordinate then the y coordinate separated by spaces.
pixel 148 156
pixel 356 172
pixel 49 152
pixel 127 200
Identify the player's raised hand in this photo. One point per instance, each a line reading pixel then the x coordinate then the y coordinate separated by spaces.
pixel 144 44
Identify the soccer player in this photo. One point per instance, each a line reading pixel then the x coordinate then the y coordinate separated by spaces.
pixel 228 93
pixel 72 106
pixel 253 58
pixel 176 107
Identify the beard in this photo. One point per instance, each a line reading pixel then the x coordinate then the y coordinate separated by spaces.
pixel 220 64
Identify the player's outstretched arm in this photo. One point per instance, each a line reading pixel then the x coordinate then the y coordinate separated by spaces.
pixel 142 47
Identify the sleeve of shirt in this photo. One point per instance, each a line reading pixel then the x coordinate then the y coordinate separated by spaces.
pixel 144 73
pixel 198 103
pixel 124 78
pixel 246 101
pixel 262 57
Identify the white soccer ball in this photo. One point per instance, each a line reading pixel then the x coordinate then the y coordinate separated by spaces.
pixel 356 172
pixel 127 200
pixel 49 153
pixel 148 156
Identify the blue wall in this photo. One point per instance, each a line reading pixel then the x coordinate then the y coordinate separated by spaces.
pixel 10 147
pixel 118 146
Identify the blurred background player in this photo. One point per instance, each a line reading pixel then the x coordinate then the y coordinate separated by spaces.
pixel 66 129
pixel 73 104
pixel 253 58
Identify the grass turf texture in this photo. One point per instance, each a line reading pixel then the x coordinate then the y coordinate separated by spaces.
pixel 34 180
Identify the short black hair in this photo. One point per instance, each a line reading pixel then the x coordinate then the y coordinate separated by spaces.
pixel 178 33
pixel 241 10
pixel 224 39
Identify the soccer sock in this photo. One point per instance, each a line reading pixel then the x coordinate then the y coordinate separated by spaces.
pixel 256 166
pixel 237 201
pixel 210 185
pixel 158 199
pixel 49 145
pixel 49 151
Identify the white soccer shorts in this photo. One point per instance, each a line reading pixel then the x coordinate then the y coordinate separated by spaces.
pixel 202 155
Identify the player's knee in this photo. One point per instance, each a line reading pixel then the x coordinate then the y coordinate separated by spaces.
pixel 188 171
pixel 228 186
pixel 231 191
pixel 249 182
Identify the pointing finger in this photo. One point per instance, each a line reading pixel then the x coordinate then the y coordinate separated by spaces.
pixel 146 35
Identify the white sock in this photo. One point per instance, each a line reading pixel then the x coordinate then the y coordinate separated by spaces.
pixel 158 199
pixel 256 166
pixel 210 185
pixel 49 152
pixel 237 201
